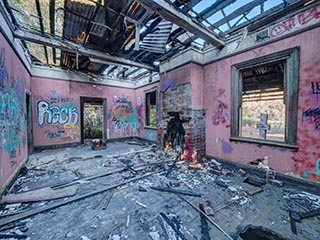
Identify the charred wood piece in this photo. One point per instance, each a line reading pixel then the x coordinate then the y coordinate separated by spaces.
pixel 183 192
pixel 204 225
pixel 174 227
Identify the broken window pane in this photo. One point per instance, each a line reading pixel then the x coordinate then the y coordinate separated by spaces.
pixel 151 109
pixel 262 112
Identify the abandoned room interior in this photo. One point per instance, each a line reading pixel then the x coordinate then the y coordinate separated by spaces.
pixel 160 119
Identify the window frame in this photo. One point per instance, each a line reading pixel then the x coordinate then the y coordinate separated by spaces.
pixel 147 113
pixel 290 58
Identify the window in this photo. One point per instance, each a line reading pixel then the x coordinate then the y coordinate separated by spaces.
pixel 265 99
pixel 151 109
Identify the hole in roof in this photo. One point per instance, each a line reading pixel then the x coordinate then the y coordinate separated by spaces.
pixel 215 17
pixel 142 29
pixel 205 23
pixel 235 20
pixel 254 12
pixel 271 3
pixel 224 27
pixel 201 6
pixel 235 6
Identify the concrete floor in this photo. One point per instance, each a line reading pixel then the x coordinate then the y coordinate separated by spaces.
pixel 134 213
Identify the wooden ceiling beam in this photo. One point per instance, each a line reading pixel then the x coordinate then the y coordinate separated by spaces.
pixel 240 11
pixel 167 12
pixel 69 46
pixel 214 8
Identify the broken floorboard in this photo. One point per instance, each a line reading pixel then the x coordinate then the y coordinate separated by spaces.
pixel 40 195
pixel 71 200
pixel 84 221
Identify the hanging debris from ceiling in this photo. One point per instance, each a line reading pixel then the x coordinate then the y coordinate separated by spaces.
pixel 156 41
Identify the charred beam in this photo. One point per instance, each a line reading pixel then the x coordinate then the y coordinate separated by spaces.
pixel 214 8
pixel 52 23
pixel 240 11
pixel 69 46
pixel 42 27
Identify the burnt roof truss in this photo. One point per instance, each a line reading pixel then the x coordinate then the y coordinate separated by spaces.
pixel 126 39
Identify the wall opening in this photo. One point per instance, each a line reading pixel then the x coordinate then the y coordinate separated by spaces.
pixel 151 109
pixel 262 112
pixel 29 122
pixel 93 118
pixel 265 99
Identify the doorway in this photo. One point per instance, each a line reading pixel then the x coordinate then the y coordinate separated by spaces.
pixel 29 122
pixel 93 111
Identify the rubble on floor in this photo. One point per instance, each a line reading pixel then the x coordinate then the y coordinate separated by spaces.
pixel 131 190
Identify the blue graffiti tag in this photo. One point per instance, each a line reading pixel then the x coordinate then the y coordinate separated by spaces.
pixel 317 172
pixel 313 113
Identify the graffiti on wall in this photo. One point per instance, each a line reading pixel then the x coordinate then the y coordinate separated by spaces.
pixel 307 174
pixel 220 112
pixel 304 19
pixel 310 115
pixel 314 115
pixel 315 86
pixel 12 117
pixel 139 110
pixel 58 112
pixel 122 117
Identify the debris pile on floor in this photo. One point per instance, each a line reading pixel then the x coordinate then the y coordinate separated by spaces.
pixel 130 190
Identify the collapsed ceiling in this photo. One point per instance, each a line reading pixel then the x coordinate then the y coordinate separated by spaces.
pixel 127 39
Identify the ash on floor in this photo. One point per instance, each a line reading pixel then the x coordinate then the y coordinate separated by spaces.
pixel 132 191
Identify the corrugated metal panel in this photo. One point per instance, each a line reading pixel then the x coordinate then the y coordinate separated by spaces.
pixel 157 40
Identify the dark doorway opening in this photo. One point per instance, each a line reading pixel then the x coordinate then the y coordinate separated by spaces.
pixel 93 111
pixel 29 122
pixel 259 233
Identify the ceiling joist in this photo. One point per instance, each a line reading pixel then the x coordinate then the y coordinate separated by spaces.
pixel 169 13
pixel 75 48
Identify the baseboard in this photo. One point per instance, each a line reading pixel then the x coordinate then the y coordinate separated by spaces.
pixel 55 146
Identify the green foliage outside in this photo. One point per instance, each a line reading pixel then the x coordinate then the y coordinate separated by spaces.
pixel 153 116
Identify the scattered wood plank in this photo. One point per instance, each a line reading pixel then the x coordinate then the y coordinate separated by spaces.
pixel 76 181
pixel 204 225
pixel 70 200
pixel 42 194
pixel 106 203
pixel 173 226
pixel 206 216
pixel 12 235
pixel 183 192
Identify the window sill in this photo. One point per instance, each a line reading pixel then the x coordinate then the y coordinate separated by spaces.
pixel 263 142
pixel 151 128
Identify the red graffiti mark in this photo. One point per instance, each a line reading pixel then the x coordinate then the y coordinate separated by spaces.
pixel 220 115
pixel 296 21
pixel 283 27
pixel 308 15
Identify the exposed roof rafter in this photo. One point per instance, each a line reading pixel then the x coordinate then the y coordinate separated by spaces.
pixel 72 47
pixel 169 13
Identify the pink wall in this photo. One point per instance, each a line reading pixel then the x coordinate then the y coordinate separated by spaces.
pixel 217 99
pixel 14 79
pixel 176 77
pixel 60 99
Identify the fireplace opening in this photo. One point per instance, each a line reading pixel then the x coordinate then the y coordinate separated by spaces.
pixel 258 232
pixel 174 136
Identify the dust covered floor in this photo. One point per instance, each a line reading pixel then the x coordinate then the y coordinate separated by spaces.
pixel 136 210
